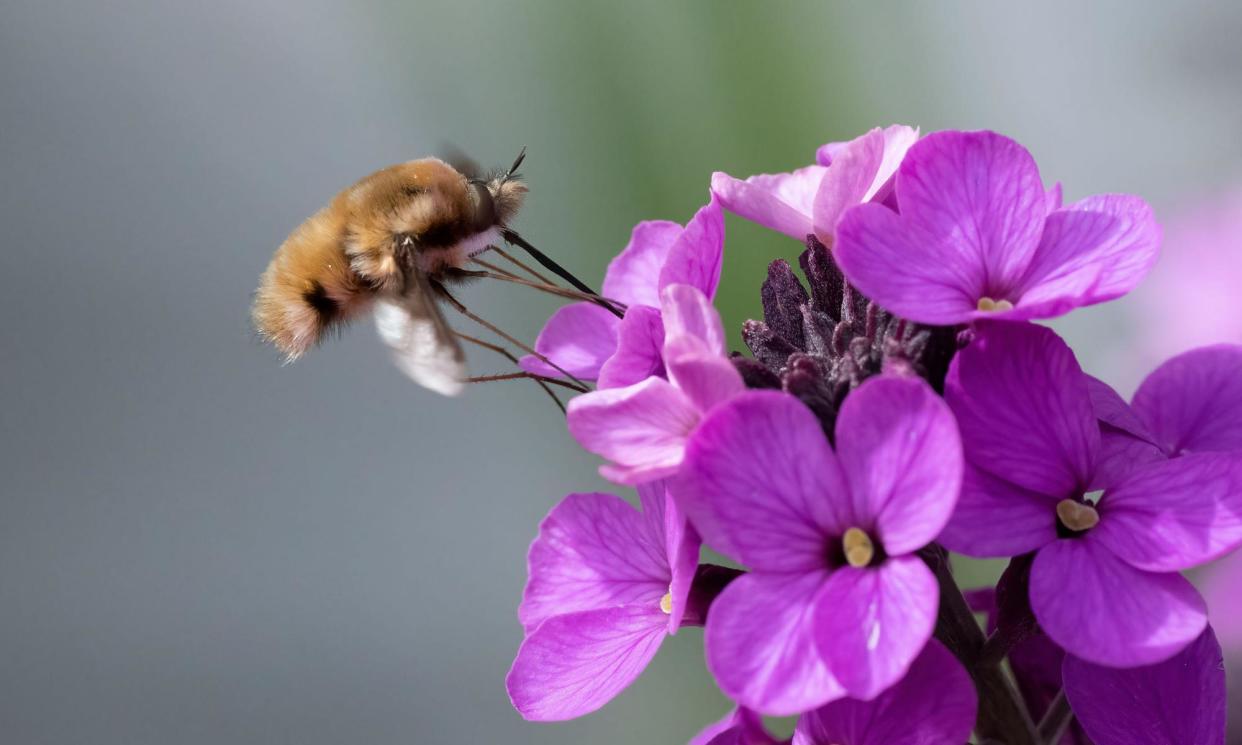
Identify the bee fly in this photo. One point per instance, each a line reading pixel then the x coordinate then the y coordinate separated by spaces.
pixel 390 244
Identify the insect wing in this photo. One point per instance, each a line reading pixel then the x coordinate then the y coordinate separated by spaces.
pixel 422 343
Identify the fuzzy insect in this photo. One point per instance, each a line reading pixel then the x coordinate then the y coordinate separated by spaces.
pixel 388 244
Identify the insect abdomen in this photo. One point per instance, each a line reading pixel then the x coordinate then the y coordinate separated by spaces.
pixel 309 288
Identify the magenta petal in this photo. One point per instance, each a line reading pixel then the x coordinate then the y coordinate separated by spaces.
pixel 977 193
pixel 850 179
pixel 574 664
pixel 705 380
pixel 996 518
pixel 633 276
pixel 642 428
pixel 782 202
pixel 1023 408
pixel 1105 611
pixel 639 354
pixel 681 545
pixel 1181 700
pixel 1111 409
pixel 1175 514
pixel 580 337
pixel 761 484
pixel 696 256
pixel 901 270
pixel 739 727
pixel 593 551
pixel 688 312
pixel 1055 197
pixel 934 704
pixel 1194 401
pixel 760 645
pixel 871 623
pixel 1125 442
pixel 1094 250
pixel 898 444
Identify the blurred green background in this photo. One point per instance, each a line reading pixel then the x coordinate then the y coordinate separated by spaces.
pixel 200 546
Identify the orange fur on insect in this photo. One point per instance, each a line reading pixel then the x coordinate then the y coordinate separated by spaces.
pixel 422 215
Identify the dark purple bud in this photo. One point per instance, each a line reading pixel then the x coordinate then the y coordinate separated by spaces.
pixel 754 373
pixel 827 282
pixel 767 347
pixel 783 296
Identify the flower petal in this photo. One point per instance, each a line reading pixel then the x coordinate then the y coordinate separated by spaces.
pixel 706 380
pixel 979 194
pixel 681 545
pixel 739 727
pixel 1181 700
pixel 574 664
pixel 580 337
pixel 633 276
pixel 1023 408
pixel 870 624
pixel 761 484
pixel 639 352
pixel 849 180
pixel 1175 514
pixel 996 518
pixel 902 456
pixel 934 704
pixel 893 265
pixel 696 256
pixel 1105 611
pixel 1095 250
pixel 1194 401
pixel 593 551
pixel 760 646
pixel 1125 442
pixel 688 312
pixel 642 428
pixel 782 201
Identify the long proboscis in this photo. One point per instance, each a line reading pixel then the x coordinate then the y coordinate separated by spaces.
pixel 511 236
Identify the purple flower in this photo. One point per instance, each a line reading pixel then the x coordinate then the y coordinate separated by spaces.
pixel 934 704
pixel 606 585
pixel 1190 404
pixel 1179 701
pixel 642 428
pixel 1104 583
pixel 978 236
pixel 591 343
pixel 811 199
pixel 836 602
pixel 739 727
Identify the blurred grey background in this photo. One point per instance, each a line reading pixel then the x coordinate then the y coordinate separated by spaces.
pixel 198 545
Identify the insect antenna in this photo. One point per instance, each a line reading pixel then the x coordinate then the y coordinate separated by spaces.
pixel 504 276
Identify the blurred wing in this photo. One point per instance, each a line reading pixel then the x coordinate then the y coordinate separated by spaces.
pixel 422 343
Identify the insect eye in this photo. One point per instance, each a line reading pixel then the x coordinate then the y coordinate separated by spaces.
pixel 485 207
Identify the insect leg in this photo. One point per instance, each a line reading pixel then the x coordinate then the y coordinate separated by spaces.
pixel 462 309
pixel 543 383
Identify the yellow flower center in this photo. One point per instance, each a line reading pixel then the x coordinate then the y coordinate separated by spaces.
pixel 1077 516
pixel 859 550
pixel 666 603
pixel 994 306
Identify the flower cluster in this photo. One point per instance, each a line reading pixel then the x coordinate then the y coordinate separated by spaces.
pixel 899 405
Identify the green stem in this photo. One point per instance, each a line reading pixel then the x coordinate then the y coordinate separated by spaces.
pixel 1002 716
